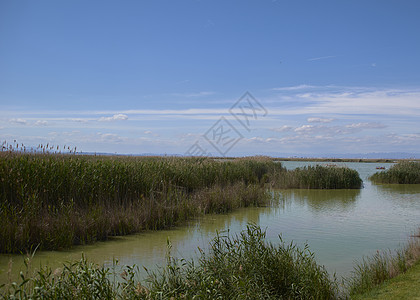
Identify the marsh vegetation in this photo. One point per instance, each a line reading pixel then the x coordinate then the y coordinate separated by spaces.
pixel 405 172
pixel 53 201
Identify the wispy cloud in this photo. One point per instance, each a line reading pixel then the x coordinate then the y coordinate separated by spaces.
pixel 332 117
pixel 350 101
pixel 366 126
pixel 79 120
pixel 284 128
pixel 192 95
pixel 117 117
pixel 110 137
pixel 320 120
pixel 321 57
pixel 294 88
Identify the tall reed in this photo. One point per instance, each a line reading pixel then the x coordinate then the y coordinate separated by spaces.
pixel 317 177
pixel 56 201
pixel 405 172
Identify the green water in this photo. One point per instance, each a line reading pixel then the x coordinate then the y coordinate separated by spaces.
pixel 340 227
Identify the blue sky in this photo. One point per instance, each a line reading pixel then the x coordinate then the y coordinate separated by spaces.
pixel 158 76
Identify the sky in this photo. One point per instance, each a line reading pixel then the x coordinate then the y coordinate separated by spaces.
pixel 220 78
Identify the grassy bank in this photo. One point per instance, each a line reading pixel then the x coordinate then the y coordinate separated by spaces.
pixel 373 271
pixel 55 201
pixel 317 177
pixel 402 173
pixel 403 287
pixel 237 267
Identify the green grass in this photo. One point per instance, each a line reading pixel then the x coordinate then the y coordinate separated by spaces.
pixel 237 267
pixel 373 271
pixel 405 286
pixel 317 177
pixel 402 173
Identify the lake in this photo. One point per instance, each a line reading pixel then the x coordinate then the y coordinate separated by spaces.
pixel 340 227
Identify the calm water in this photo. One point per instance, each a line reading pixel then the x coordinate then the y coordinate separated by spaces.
pixel 340 227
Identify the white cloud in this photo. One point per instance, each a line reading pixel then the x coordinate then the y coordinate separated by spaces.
pixel 283 128
pixel 328 132
pixel 366 126
pixel 117 117
pixel 18 121
pixel 305 128
pixel 294 88
pixel 321 57
pixel 79 120
pixel 190 95
pixel 320 120
pixel 41 123
pixel 352 101
pixel 110 137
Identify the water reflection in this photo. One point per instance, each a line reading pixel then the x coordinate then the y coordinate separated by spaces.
pixel 399 188
pixel 143 249
pixel 323 200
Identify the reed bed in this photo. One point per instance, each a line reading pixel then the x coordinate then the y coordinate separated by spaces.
pixel 56 201
pixel 317 177
pixel 405 172
pixel 374 270
pixel 236 267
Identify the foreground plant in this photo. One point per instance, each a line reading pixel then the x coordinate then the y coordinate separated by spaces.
pixel 237 267
pixel 246 267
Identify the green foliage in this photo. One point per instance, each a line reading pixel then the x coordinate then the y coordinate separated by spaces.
pixel 318 177
pixel 402 173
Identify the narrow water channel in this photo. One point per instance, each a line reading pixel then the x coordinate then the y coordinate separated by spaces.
pixel 340 227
